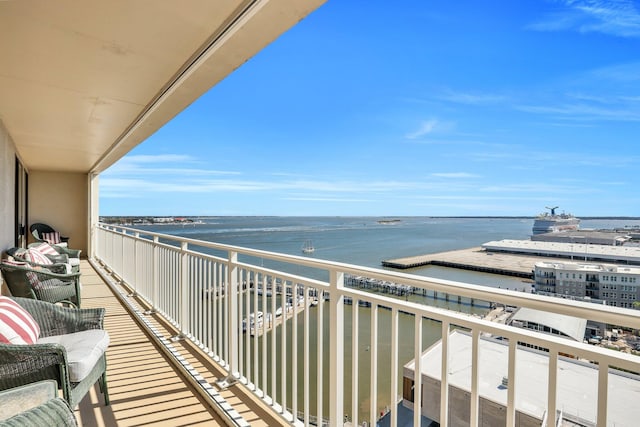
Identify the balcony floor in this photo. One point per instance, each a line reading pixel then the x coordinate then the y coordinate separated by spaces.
pixel 145 388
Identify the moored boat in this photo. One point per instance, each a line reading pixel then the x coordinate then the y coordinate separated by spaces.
pixel 308 248
pixel 255 320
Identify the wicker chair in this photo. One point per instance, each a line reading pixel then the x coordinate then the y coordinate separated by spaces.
pixel 40 283
pixel 62 250
pixel 63 254
pixel 25 364
pixel 35 405
pixel 38 229
pixel 60 264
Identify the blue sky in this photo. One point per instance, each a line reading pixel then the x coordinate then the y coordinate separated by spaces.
pixel 431 108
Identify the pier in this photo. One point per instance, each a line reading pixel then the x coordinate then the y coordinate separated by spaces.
pixel 475 259
pixel 270 321
pixel 396 289
pixel 378 285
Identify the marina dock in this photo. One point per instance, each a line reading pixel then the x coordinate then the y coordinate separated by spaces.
pixel 268 322
pixel 475 259
pixel 379 286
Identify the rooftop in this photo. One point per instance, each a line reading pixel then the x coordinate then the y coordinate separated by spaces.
pixel 603 252
pixel 573 327
pixel 597 268
pixel 577 381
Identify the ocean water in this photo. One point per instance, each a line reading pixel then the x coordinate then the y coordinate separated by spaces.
pixel 355 240
pixel 365 241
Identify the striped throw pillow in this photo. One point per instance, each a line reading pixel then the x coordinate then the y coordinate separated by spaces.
pixel 17 326
pixel 45 249
pixel 37 257
pixel 12 261
pixel 34 280
pixel 52 237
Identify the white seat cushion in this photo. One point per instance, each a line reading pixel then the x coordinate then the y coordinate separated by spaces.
pixel 84 348
pixel 74 261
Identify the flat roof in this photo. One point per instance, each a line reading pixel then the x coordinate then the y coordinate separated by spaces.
pixel 586 233
pixel 577 250
pixel 573 327
pixel 592 267
pixel 577 382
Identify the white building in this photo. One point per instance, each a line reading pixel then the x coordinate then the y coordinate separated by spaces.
pixel 618 285
pixel 577 250
pixel 549 323
pixel 576 395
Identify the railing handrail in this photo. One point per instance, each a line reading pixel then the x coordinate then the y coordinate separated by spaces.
pixel 185 284
pixel 596 312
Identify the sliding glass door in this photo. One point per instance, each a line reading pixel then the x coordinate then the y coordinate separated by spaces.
pixel 21 205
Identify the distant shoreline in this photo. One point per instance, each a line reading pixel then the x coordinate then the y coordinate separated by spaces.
pixel 621 218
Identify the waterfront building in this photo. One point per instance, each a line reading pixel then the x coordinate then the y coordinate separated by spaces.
pixel 577 382
pixel 549 323
pixel 618 285
pixel 572 250
pixel 593 237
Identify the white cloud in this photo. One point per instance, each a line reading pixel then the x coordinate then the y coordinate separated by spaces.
pixel 337 190
pixel 455 175
pixel 156 158
pixel 628 72
pixel 584 111
pixel 429 127
pixel 465 197
pixel 161 164
pixel 327 199
pixel 472 98
pixel 425 129
pixel 614 17
pixel 537 188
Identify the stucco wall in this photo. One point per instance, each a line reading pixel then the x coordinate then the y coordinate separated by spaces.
pixel 60 200
pixel 7 189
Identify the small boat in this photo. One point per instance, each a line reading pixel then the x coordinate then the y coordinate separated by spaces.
pixel 268 292
pixel 255 320
pixel 308 248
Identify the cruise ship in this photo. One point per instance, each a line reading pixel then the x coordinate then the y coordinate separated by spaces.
pixel 550 222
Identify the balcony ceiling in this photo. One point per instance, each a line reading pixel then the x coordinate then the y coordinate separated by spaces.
pixel 83 82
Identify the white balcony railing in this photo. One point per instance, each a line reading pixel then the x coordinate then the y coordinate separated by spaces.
pixel 342 358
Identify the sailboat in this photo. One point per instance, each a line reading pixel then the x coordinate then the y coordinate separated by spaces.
pixel 308 248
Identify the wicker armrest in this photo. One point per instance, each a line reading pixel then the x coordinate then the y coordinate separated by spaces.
pixel 20 399
pixel 54 412
pixel 71 253
pixel 57 320
pixel 58 258
pixel 25 364
pixel 57 268
pixel 45 273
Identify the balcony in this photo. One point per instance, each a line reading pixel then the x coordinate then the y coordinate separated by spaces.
pixel 203 298
pixel 144 386
pixel 176 300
